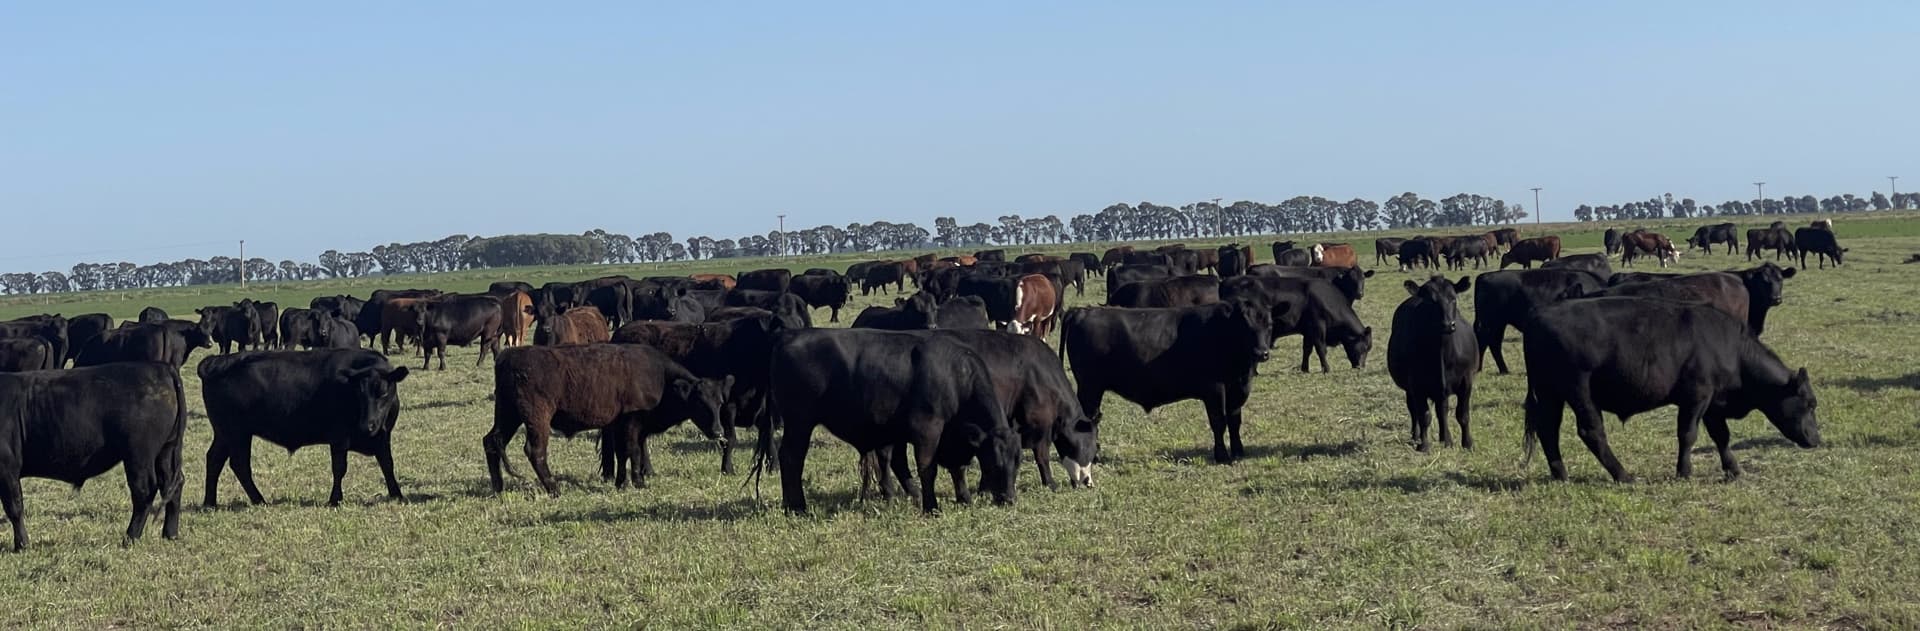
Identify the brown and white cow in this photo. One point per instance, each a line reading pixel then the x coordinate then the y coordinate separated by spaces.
pixel 1035 304
pixel 1640 242
pixel 1335 255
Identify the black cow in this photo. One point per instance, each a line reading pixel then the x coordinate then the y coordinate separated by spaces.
pixel 962 312
pixel 764 280
pixel 1611 241
pixel 347 400
pixel 784 305
pixel 1284 253
pixel 1509 297
pixel 507 287
pixel 655 298
pixel 688 310
pixel 1312 307
pixel 1234 260
pixel 1629 355
pixel 1596 263
pixel 1747 295
pixel 907 314
pixel 829 290
pixel 997 256
pixel 238 324
pixel 81 330
pixel 297 327
pixel 1089 262
pixel 22 354
pixel 1473 247
pixel 610 296
pixel 73 425
pixel 268 315
pixel 715 350
pixel 1705 236
pixel 169 342
pixel 1640 277
pixel 1179 291
pixel 881 274
pixel 338 332
pixel 49 328
pixel 1133 273
pixel 460 321
pixel 1154 357
pixel 858 271
pixel 1776 238
pixel 152 315
pixel 1386 249
pixel 1351 281
pixel 709 299
pixel 1821 243
pixel 890 390
pixel 348 307
pixel 1418 252
pixel 1432 354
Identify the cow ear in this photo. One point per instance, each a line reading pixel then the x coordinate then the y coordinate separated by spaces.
pixel 1801 377
pixel 1412 289
pixel 398 375
pixel 1367 274
pixel 685 388
pixel 1788 272
pixel 1464 284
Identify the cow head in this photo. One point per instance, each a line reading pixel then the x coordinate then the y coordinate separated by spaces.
pixel 1766 283
pixel 1252 328
pixel 1358 346
pixel 1791 410
pixel 376 391
pixel 699 400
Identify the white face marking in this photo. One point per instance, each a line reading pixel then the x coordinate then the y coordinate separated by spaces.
pixel 1079 474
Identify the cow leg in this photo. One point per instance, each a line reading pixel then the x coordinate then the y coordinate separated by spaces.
pixel 961 494
pixel 16 511
pixel 897 460
pixel 923 460
pixel 1046 466
pixel 1723 442
pixel 1489 332
pixel 793 462
pixel 1591 427
pixel 1217 421
pixel 608 464
pixel 835 313
pixel 1440 416
pixel 1688 431
pixel 1461 413
pixel 495 446
pixel 1417 411
pixel 339 453
pixel 537 456
pixel 383 455
pixel 241 460
pixel 141 487
pixel 216 460
pixel 726 448
pixel 643 463
pixel 1543 419
pixel 870 469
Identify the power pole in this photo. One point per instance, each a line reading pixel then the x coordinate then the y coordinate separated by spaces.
pixel 1536 205
pixel 243 264
pixel 1760 194
pixel 1219 218
pixel 783 235
pixel 1892 188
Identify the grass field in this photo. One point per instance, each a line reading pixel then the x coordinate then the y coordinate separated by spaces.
pixel 1333 521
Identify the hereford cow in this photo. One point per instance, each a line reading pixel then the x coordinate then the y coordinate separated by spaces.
pixel 1643 243
pixel 1037 301
pixel 1336 255
pixel 347 400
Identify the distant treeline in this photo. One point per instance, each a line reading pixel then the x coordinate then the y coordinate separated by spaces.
pixel 1119 222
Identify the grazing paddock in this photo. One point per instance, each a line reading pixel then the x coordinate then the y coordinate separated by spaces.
pixel 1332 519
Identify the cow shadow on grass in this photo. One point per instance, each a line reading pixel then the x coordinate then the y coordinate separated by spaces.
pixel 1260 450
pixel 732 510
pixel 1875 384
pixel 1411 484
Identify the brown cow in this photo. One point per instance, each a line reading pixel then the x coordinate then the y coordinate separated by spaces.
pixel 963 260
pixel 1641 242
pixel 1336 255
pixel 712 281
pixel 579 325
pixel 517 307
pixel 399 315
pixel 1526 251
pixel 1034 305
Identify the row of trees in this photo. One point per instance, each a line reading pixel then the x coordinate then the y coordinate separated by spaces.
pixel 1119 222
pixel 1667 206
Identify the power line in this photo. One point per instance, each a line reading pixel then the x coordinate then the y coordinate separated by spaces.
pixel 21 257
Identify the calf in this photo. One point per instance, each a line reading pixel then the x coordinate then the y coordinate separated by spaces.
pixel 1505 298
pixel 579 325
pixel 460 321
pixel 1819 242
pixel 823 290
pixel 907 314
pixel 890 390
pixel 73 425
pixel 169 342
pixel 1525 251
pixel 24 354
pixel 1179 291
pixel 1630 355
pixel 347 400
pixel 1154 357
pixel 1431 356
pixel 627 391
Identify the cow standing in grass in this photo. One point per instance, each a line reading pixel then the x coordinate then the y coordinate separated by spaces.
pixel 1432 354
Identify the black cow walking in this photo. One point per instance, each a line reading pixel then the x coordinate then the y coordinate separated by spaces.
pixel 829 290
pixel 460 321
pixel 1820 242
pixel 1509 297
pixel 1432 354
pixel 347 400
pixel 73 425
pixel 1629 355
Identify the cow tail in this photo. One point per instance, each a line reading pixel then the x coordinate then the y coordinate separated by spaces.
pixel 1529 436
pixel 170 471
pixel 762 446
pixel 1063 337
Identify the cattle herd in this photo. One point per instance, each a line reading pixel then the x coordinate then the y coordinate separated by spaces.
pixel 960 371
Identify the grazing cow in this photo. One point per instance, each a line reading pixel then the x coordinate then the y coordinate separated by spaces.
pixel 1747 295
pixel 1706 236
pixel 73 425
pixel 1642 243
pixel 1611 241
pixel 713 281
pixel 1135 273
pixel 1089 262
pixel 1285 253
pixel 1596 263
pixel 1820 243
pixel 396 316
pixel 1154 357
pixel 1505 237
pixel 889 390
pixel 736 349
pixel 879 275
pixel 821 290
pixel 1336 255
pixel 1351 281
pixel 775 280
pixel 1465 248
pixel 1312 307
pixel 1114 257
pixel 1776 238
pixel 1505 298
pixel 579 325
pixel 961 312
pixel 347 400
pixel 460 320
pixel 50 328
pixel 1037 301
pixel 169 342
pixel 1233 260
pixel 998 256
pixel 269 319
pixel 1432 354
pixel 1630 355
pixel 1418 252
pixel 1525 251
pixel 24 354
pixel 152 315
pixel 907 314
pixel 1179 291
pixel 1386 249
pixel 628 391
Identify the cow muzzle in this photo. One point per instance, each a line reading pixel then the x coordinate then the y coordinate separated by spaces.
pixel 1261 354
pixel 1079 475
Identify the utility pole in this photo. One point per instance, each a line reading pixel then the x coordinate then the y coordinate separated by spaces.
pixel 783 235
pixel 1760 194
pixel 1219 218
pixel 1536 205
pixel 243 264
pixel 1892 187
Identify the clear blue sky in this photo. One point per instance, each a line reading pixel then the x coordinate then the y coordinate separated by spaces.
pixel 306 126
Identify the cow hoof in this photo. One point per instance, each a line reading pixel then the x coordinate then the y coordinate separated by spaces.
pixel 1422 448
